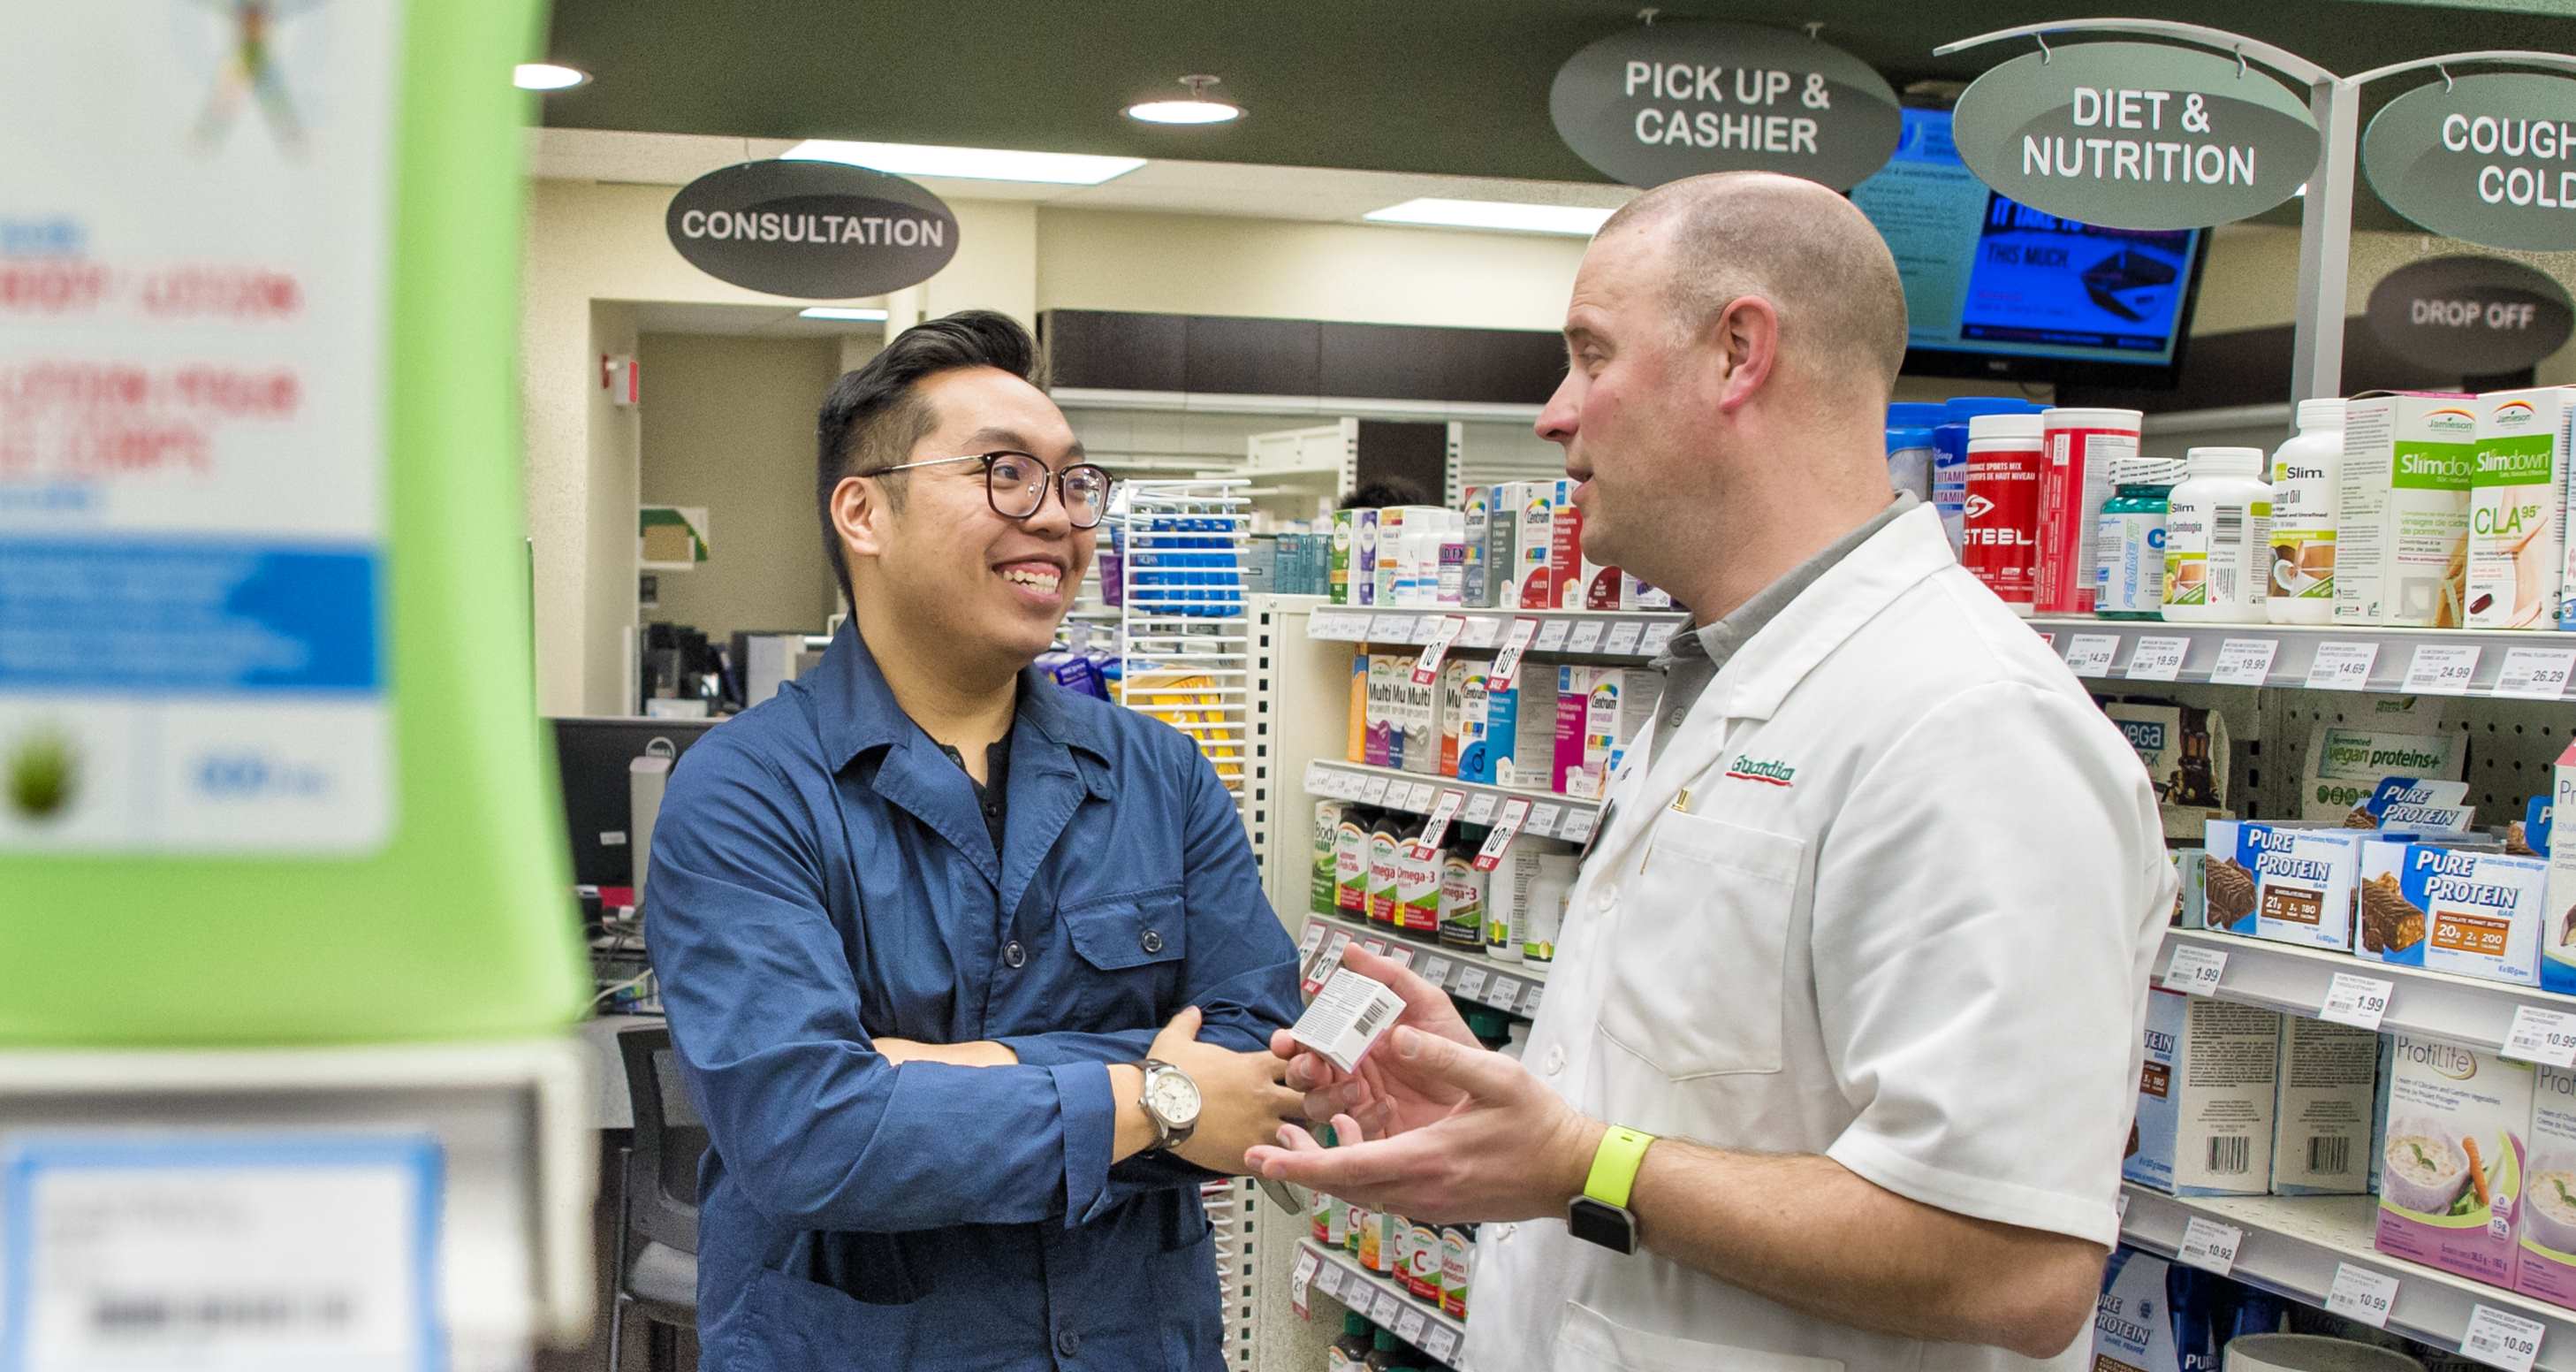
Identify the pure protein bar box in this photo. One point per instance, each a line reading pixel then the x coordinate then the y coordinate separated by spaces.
pixel 2291 883
pixel 2205 1097
pixel 2547 1261
pixel 2452 1165
pixel 2452 907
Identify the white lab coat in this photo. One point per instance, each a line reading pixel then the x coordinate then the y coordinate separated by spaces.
pixel 1888 894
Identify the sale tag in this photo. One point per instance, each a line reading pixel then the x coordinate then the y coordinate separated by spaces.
pixel 2049 639
pixel 1551 635
pixel 1471 983
pixel 1515 812
pixel 2535 673
pixel 2208 1244
pixel 2158 658
pixel 2356 1000
pixel 1304 1272
pixel 2244 661
pixel 2362 1294
pixel 1480 810
pixel 1436 828
pixel 1507 663
pixel 1391 629
pixel 1543 820
pixel 1374 791
pixel 2501 1340
pixel 1426 668
pixel 1586 636
pixel 1441 1343
pixel 1436 971
pixel 2547 1037
pixel 1657 639
pixel 2442 669
pixel 1577 825
pixel 1530 994
pixel 1483 631
pixel 1410 1324
pixel 1624 636
pixel 2091 654
pixel 2342 666
pixel 1505 995
pixel 2195 970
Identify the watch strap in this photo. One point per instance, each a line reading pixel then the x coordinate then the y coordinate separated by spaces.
pixel 1615 1164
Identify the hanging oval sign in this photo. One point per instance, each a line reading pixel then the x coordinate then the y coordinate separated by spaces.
pixel 2471 316
pixel 1659 103
pixel 2489 157
pixel 2136 136
pixel 813 230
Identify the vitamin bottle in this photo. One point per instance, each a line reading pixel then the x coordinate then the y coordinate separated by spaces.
pixel 2306 472
pixel 2218 539
pixel 2129 539
pixel 2006 458
pixel 1349 1352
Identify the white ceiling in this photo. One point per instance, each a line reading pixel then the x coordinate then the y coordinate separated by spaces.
pixel 761 321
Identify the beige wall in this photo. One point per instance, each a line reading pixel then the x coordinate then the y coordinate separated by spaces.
pixel 607 519
pixel 731 428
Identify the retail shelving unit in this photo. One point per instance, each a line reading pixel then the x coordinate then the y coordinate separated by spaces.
pixel 1182 616
pixel 1497 983
pixel 1381 1298
pixel 2297 981
pixel 2486 664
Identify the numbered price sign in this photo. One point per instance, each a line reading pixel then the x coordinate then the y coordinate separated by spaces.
pixel 1505 996
pixel 1483 632
pixel 2210 1245
pixel 1480 811
pixel 1471 983
pixel 2442 669
pixel 1507 663
pixel 1658 637
pixel 1623 639
pixel 1436 971
pixel 2547 1037
pixel 2342 666
pixel 1586 636
pixel 2501 1340
pixel 1543 820
pixel 1499 841
pixel 2158 658
pixel 1436 827
pixel 2244 661
pixel 2535 673
pixel 2195 970
pixel 1441 1343
pixel 2361 1294
pixel 2091 654
pixel 1551 635
pixel 2356 1000
pixel 1307 1262
pixel 1330 1279
pixel 1410 1324
pixel 1426 669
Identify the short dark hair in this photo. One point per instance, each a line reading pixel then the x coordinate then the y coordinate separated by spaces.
pixel 1378 495
pixel 871 417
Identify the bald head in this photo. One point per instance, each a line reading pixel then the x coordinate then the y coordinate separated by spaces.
pixel 1807 250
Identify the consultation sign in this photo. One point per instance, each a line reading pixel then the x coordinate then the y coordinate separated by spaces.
pixel 813 230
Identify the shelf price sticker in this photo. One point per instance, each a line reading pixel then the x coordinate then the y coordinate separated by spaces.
pixel 1330 1279
pixel 2356 1000
pixel 1316 778
pixel 1307 1262
pixel 2361 1294
pixel 1426 669
pixel 1391 629
pixel 2195 970
pixel 1586 637
pixel 1577 825
pixel 1530 995
pixel 1436 971
pixel 1515 813
pixel 2501 1340
pixel 1544 819
pixel 1374 791
pixel 2120 1207
pixel 2244 661
pixel 1338 626
pixel 1471 983
pixel 1410 1324
pixel 1624 636
pixel 1507 663
pixel 1483 631
pixel 1401 956
pixel 2342 666
pixel 2535 673
pixel 1314 940
pixel 1551 635
pixel 1441 1343
pixel 1390 1308
pixel 1505 996
pixel 2158 658
pixel 1658 637
pixel 2091 654
pixel 1480 811
pixel 2547 1037
pixel 2209 1245
pixel 1436 828
pixel 2442 669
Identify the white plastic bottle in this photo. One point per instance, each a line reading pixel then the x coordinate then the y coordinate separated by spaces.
pixel 2218 539
pixel 2307 472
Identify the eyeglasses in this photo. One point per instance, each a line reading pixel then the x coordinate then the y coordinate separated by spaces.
pixel 1015 485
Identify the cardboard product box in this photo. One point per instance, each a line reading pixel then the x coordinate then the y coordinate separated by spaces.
pixel 1337 583
pixel 1532 586
pixel 2155 1315
pixel 1565 550
pixel 1475 588
pixel 2558 904
pixel 2545 1266
pixel 1453 712
pixel 2402 510
pixel 1573 717
pixel 2452 1165
pixel 2193 899
pixel 1485 723
pixel 2290 883
pixel 1384 724
pixel 1530 765
pixel 1361 713
pixel 2185 750
pixel 2379 1109
pixel 1637 595
pixel 1328 826
pixel 1617 704
pixel 2415 805
pixel 2387 736
pixel 1502 536
pixel 1392 550
pixel 2324 1108
pixel 1363 561
pixel 2517 509
pixel 2463 907
pixel 1418 722
pixel 2205 1097
pixel 1604 588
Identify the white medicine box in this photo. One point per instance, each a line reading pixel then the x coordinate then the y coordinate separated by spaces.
pixel 2205 1098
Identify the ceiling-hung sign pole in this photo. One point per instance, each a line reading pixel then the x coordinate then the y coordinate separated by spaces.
pixel 2485 157
pixel 2232 144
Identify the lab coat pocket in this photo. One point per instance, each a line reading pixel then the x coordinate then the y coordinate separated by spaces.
pixel 1699 959
pixel 1132 947
pixel 1589 1341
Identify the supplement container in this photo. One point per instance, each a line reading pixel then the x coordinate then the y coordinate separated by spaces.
pixel 2218 539
pixel 2129 539
pixel 2082 445
pixel 2306 472
pixel 1950 456
pixel 1909 447
pixel 2001 528
pixel 1543 914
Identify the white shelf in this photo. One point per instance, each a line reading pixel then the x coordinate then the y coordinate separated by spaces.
pixel 2293 980
pixel 2295 652
pixel 1612 635
pixel 1386 1303
pixel 1551 815
pixel 1515 988
pixel 2293 1245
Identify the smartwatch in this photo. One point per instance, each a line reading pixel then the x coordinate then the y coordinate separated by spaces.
pixel 1601 1215
pixel 1171 1100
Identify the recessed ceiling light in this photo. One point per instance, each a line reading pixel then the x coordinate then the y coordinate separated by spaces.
pixel 1197 109
pixel 838 312
pixel 1509 215
pixel 546 76
pixel 968 164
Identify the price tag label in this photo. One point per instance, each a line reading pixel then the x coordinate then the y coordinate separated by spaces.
pixel 1577 825
pixel 1445 631
pixel 1484 631
pixel 1551 635
pixel 2049 638
pixel 1586 636
pixel 1410 1324
pixel 1441 1343
pixel 2244 661
pixel 1316 778
pixel 1658 637
pixel 1480 811
pixel 2442 669
pixel 2091 654
pixel 1471 983
pixel 2356 1000
pixel 2547 1037
pixel 1314 939
pixel 1505 995
pixel 1334 626
pixel 1531 993
pixel 1436 828
pixel 2535 673
pixel 2158 658
pixel 1307 1262
pixel 2208 1244
pixel 1377 946
pixel 1436 971
pixel 1374 790
pixel 1400 955
pixel 1390 1308
pixel 1515 812
pixel 1624 637
pixel 2195 970
pixel 2120 1206
pixel 1391 629
pixel 2501 1340
pixel 2361 1294
pixel 1330 1279
pixel 2342 666
pixel 1543 820
pixel 1507 663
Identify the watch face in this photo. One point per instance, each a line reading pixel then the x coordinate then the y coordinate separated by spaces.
pixel 1175 1097
pixel 1607 1225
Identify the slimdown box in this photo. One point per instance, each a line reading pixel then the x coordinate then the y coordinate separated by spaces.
pixel 2452 1164
pixel 2204 1124
pixel 2517 509
pixel 2324 1108
pixel 2402 510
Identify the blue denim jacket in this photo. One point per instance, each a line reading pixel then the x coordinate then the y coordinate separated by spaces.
pixel 821 874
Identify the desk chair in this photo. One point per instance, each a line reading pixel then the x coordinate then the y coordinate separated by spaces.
pixel 657 1202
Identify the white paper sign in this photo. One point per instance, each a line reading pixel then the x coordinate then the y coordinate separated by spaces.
pixel 1543 819
pixel 2342 666
pixel 1307 1262
pixel 1551 635
pixel 1315 778
pixel 1441 1343
pixel 1515 812
pixel 1337 626
pixel 1400 955
pixel 1410 1324
pixel 2120 1207
pixel 1505 995
pixel 1436 971
pixel 1480 810
pixel 1531 993
pixel 1657 638
pixel 2195 970
pixel 2158 657
pixel 1330 1279
pixel 2244 661
pixel 2091 654
pixel 1483 631
pixel 2442 669
pixel 2535 673
pixel 1436 827
pixel 1374 790
pixel 1391 629
pixel 2208 1244
pixel 1624 636
pixel 2356 1000
pixel 1471 983
pixel 1576 827
pixel 1390 1308
pixel 2362 1294
pixel 2501 1340
pixel 2547 1037
pixel 1586 636
pixel 1507 663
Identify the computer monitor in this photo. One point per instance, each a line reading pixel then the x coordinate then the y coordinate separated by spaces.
pixel 592 756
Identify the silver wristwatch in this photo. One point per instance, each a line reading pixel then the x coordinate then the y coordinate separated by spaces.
pixel 1171 1101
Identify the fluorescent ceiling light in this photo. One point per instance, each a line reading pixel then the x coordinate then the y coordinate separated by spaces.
pixel 1184 111
pixel 837 312
pixel 969 164
pixel 1509 215
pixel 546 76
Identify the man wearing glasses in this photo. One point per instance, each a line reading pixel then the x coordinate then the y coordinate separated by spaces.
pixel 971 977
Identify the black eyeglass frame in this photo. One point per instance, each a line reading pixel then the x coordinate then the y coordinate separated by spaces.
pixel 1056 479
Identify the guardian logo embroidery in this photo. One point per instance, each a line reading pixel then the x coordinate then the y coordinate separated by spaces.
pixel 1770 772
